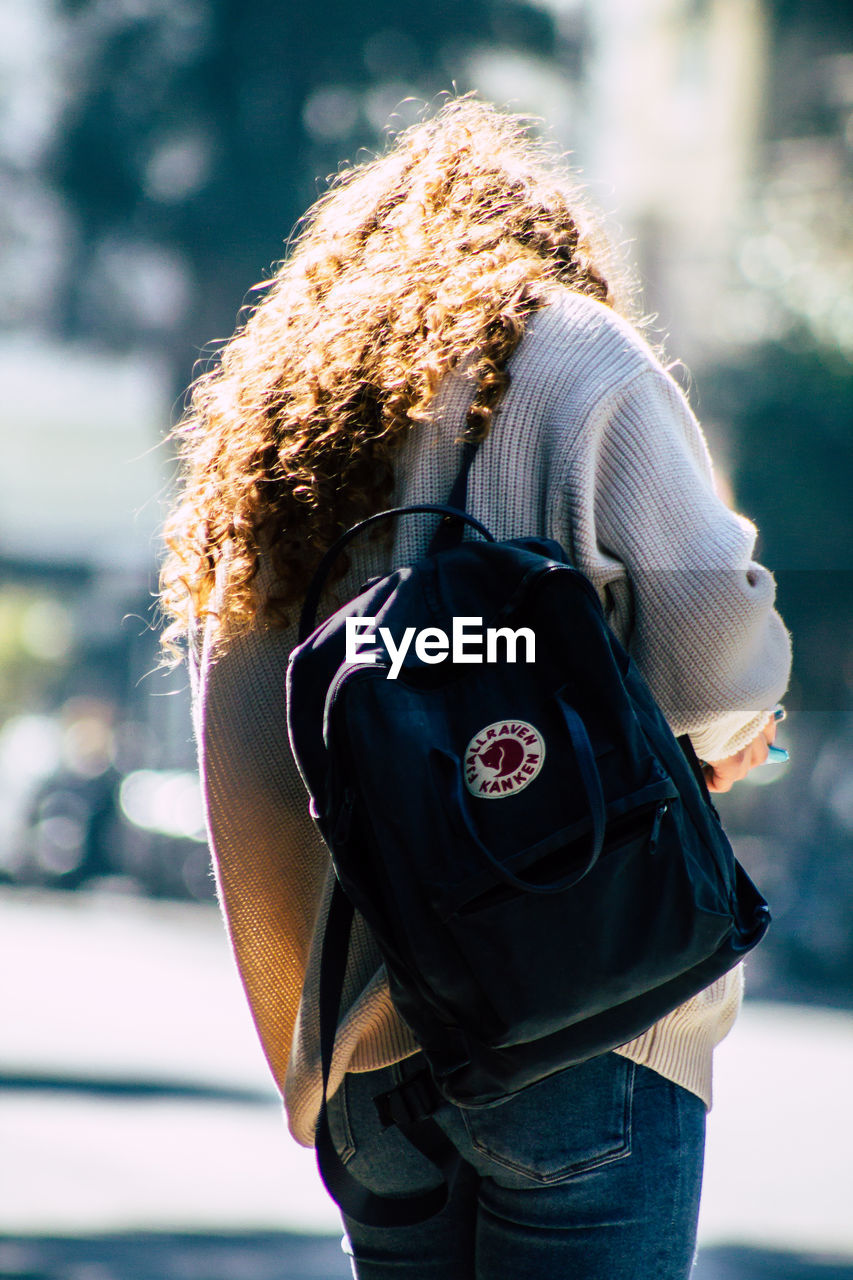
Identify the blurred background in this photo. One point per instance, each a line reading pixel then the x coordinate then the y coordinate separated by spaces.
pixel 154 157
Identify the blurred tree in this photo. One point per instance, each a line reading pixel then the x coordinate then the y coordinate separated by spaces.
pixel 35 647
pixel 786 389
pixel 195 132
pixel 790 405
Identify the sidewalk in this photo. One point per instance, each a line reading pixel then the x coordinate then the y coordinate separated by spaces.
pixel 137 1101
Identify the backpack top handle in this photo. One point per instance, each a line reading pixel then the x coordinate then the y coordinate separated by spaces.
pixel 448 534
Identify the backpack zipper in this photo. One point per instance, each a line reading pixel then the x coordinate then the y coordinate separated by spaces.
pixel 660 813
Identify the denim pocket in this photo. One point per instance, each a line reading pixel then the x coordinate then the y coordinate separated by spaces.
pixel 381 1158
pixel 569 1124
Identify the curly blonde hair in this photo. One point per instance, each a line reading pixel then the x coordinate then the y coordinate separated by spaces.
pixel 424 260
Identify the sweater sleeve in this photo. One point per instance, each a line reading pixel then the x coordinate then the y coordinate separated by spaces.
pixel 704 630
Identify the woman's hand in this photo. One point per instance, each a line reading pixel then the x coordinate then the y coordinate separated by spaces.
pixel 721 775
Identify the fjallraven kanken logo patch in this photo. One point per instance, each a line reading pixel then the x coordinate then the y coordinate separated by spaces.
pixel 503 759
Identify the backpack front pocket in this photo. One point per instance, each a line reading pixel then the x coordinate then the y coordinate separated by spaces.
pixel 546 961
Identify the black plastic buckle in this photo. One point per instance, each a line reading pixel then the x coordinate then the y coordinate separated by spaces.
pixel 409 1102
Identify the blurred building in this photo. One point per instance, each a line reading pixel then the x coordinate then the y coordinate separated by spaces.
pixel 83 468
pixel 674 109
pixel 83 476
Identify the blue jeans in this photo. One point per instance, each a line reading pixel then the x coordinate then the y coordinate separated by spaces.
pixel 593 1174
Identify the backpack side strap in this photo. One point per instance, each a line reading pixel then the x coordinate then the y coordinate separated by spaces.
pixel 410 1106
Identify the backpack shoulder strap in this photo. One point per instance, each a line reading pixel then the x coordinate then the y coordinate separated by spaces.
pixel 410 1107
pixel 449 532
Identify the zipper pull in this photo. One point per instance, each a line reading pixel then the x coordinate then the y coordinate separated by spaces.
pixel 659 815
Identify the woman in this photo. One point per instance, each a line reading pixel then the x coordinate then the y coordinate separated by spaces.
pixel 447 287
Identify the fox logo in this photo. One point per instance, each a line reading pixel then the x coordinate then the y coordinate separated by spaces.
pixel 503 758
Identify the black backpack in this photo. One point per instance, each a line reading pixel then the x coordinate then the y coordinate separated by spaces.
pixel 534 851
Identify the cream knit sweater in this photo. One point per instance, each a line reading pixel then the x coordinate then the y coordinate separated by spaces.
pixel 594 446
